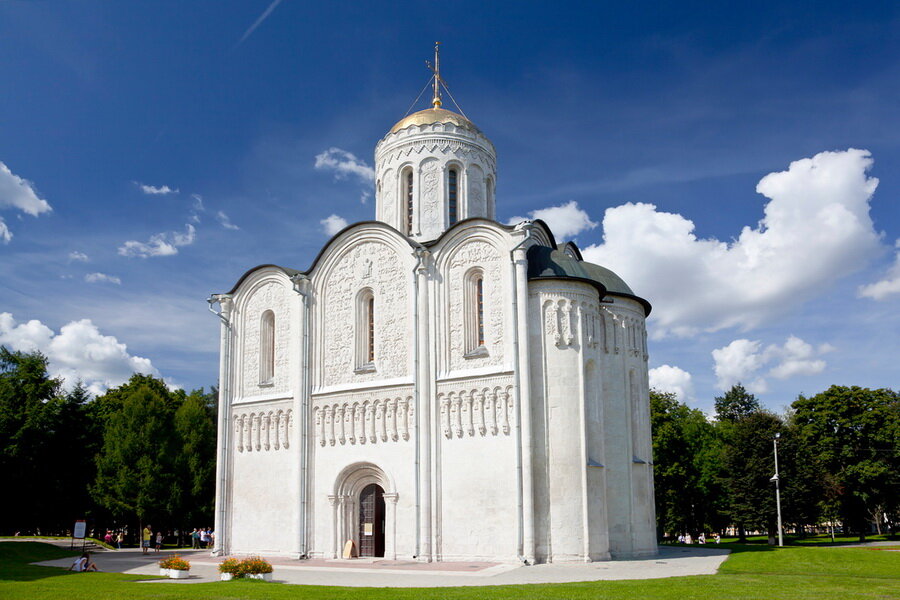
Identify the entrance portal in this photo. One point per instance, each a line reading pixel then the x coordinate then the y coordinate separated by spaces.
pixel 371 520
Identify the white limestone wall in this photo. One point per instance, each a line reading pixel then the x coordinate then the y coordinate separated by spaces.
pixel 631 510
pixel 569 503
pixel 475 507
pixel 264 462
pixel 430 151
pixel 367 429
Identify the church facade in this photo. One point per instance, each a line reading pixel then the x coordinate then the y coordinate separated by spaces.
pixel 436 385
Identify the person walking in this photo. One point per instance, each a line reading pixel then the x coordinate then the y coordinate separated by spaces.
pixel 159 541
pixel 120 538
pixel 146 536
pixel 195 539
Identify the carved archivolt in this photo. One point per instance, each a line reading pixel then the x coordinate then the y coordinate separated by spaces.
pixel 366 421
pixel 481 412
pixel 263 430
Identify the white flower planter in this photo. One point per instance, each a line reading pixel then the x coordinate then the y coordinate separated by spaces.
pixel 176 574
pixel 226 576
pixel 263 576
pixel 163 572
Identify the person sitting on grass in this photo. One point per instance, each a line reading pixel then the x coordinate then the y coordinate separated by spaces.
pixel 84 563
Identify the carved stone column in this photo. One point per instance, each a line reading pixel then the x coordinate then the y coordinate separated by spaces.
pixel 333 501
pixel 390 525
pixel 224 438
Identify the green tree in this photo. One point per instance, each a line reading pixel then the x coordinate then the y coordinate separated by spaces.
pixel 686 459
pixel 854 434
pixel 136 467
pixel 196 428
pixel 26 424
pixel 735 404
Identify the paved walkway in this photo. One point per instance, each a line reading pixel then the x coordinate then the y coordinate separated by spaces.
pixel 671 562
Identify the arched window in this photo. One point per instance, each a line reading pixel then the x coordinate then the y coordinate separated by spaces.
pixel 474 313
pixel 267 348
pixel 453 194
pixel 365 331
pixel 408 199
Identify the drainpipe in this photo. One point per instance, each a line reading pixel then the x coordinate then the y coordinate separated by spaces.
pixel 524 475
pixel 224 430
pixel 302 285
pixel 415 274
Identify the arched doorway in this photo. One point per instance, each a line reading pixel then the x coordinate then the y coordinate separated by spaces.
pixel 364 510
pixel 371 520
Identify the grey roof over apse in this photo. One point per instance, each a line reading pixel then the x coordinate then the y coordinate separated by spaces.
pixel 565 262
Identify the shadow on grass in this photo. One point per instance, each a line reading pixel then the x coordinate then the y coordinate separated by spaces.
pixel 16 556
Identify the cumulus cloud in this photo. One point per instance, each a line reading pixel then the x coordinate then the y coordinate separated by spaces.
pixel 153 190
pixel 76 256
pixel 888 286
pixel 747 361
pixel 19 193
pixel 78 352
pixel 224 221
pixel 161 244
pixel 344 164
pixel 566 220
pixel 667 378
pixel 102 278
pixel 816 228
pixel 5 233
pixel 332 224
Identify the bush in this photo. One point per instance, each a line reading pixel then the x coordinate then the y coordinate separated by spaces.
pixel 230 565
pixel 175 562
pixel 254 565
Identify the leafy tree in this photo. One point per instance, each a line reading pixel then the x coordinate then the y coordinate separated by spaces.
pixel 25 428
pixel 196 428
pixel 686 458
pixel 136 465
pixel 735 404
pixel 854 434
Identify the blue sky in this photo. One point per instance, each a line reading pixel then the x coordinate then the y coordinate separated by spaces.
pixel 612 106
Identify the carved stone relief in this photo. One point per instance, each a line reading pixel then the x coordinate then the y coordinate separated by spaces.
pixel 275 297
pixel 262 430
pixel 363 421
pixel 374 265
pixel 476 253
pixel 476 412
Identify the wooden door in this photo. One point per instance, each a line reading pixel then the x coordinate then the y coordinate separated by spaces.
pixel 371 521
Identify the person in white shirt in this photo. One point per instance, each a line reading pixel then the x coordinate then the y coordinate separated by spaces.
pixel 83 563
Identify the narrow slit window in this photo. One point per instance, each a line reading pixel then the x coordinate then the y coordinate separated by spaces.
pixel 409 202
pixel 365 331
pixel 453 195
pixel 474 326
pixel 479 309
pixel 267 348
pixel 370 330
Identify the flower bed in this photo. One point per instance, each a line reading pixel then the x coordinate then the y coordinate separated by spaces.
pixel 253 567
pixel 174 567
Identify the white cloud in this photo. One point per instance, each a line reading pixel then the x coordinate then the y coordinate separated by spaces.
pixel 161 244
pixel 78 351
pixel 333 224
pixel 19 193
pixel 153 190
pixel 565 221
pixel 76 256
pixel 745 361
pixel 816 229
pixel 667 378
pixel 224 221
pixel 344 163
pixel 5 234
pixel 888 286
pixel 102 278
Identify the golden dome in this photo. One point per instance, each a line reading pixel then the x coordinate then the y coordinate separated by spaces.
pixel 433 115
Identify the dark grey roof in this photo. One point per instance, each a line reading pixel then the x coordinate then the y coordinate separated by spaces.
pixel 556 263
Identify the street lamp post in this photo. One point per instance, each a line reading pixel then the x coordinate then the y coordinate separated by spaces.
pixel 777 490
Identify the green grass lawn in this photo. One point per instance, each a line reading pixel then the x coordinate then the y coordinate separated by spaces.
pixel 751 572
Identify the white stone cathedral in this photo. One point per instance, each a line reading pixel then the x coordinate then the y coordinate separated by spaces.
pixel 435 385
